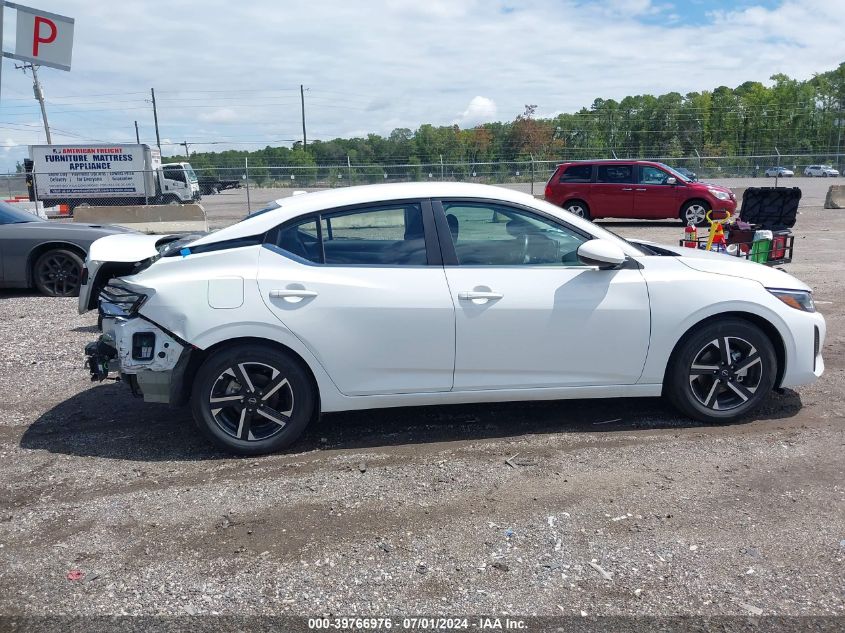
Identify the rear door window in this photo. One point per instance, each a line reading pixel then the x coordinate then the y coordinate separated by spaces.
pixel 390 235
pixel 615 173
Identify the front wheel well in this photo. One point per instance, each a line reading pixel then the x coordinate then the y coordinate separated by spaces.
pixel 198 357
pixel 768 329
pixel 39 250
pixel 690 201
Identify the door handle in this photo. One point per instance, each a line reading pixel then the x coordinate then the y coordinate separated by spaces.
pixel 292 293
pixel 475 295
pixel 626 189
pixel 643 189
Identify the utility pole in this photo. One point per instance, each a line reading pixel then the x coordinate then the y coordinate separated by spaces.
pixel 187 151
pixel 137 136
pixel 302 100
pixel 155 118
pixel 39 96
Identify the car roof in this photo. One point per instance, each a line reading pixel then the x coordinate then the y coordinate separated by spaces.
pixel 295 206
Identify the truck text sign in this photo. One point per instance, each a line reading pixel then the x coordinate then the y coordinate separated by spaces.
pixel 90 171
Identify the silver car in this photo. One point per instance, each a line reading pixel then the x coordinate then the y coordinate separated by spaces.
pixel 779 172
pixel 42 254
pixel 823 171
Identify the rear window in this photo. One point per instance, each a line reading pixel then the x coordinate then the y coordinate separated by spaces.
pixel 615 173
pixel 577 173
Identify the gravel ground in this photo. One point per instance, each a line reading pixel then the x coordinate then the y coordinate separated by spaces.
pixel 109 505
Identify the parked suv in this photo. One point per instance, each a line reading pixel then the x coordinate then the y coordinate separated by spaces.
pixel 638 189
pixel 820 170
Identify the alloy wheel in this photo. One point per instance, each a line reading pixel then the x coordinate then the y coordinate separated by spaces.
pixel 251 401
pixel 695 213
pixel 59 275
pixel 577 209
pixel 725 373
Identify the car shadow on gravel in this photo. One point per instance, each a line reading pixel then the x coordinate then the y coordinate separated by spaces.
pixel 106 421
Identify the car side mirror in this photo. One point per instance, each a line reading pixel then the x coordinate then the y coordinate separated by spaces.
pixel 671 180
pixel 602 253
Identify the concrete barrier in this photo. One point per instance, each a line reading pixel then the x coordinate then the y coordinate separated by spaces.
pixel 738 191
pixel 147 218
pixel 835 198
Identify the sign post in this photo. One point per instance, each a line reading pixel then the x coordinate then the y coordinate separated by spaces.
pixel 42 38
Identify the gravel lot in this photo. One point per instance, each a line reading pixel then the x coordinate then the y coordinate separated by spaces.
pixel 610 507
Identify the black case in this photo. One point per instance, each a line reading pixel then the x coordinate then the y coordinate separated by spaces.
pixel 770 208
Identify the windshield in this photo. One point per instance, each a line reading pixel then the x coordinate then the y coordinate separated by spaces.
pixel 675 172
pixel 11 215
pixel 192 177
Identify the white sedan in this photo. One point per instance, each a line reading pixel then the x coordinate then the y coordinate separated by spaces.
pixel 823 171
pixel 435 293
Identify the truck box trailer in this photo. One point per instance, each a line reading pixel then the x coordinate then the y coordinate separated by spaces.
pixel 98 174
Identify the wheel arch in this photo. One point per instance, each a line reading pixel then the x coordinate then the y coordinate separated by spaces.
pixel 198 357
pixel 765 325
pixel 44 247
pixel 689 201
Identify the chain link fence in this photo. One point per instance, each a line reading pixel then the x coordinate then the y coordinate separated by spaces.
pixel 60 192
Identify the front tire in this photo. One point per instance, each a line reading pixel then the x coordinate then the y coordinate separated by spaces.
pixel 58 273
pixel 695 211
pixel 251 399
pixel 723 372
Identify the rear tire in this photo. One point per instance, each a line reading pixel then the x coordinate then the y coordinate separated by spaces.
pixel 579 208
pixel 251 399
pixel 58 273
pixel 724 371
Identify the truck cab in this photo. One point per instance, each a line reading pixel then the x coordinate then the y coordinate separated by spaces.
pixel 178 183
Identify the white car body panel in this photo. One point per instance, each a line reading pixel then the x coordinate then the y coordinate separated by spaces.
pixel 383 336
pixel 550 326
pixel 375 329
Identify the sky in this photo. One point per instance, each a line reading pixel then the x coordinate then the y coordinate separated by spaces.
pixel 227 74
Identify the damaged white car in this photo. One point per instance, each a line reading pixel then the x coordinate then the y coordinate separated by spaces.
pixel 435 293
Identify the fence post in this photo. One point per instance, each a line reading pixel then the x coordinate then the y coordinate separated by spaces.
pixel 349 170
pixel 777 171
pixel 532 173
pixel 246 176
pixel 442 174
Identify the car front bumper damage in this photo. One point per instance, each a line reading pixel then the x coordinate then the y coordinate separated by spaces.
pixel 150 360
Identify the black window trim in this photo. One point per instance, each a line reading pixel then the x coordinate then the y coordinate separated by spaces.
pixel 432 248
pixel 444 234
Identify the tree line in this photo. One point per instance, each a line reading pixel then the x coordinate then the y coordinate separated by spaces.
pixel 794 116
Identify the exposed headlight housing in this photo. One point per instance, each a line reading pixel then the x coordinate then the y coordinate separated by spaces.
pixel 123 298
pixel 798 299
pixel 720 195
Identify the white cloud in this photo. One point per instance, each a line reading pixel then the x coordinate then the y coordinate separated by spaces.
pixel 383 64
pixel 220 115
pixel 479 110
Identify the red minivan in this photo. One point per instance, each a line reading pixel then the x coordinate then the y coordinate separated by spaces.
pixel 636 189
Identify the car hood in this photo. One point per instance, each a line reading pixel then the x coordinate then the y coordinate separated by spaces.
pixel 732 266
pixel 710 185
pixel 82 227
pixel 124 247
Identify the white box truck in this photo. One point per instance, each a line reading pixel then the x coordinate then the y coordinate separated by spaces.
pixel 101 174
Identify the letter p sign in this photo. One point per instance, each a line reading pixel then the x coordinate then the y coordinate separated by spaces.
pixel 43 38
pixel 39 36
